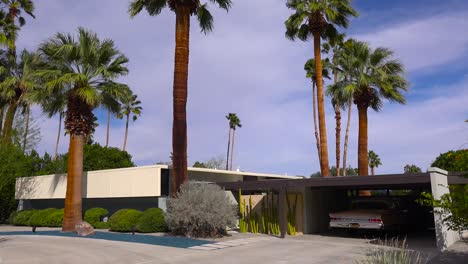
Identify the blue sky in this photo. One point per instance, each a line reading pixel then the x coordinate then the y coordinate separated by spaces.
pixel 247 66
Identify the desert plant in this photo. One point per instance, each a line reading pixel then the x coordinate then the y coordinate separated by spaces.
pixel 152 220
pixel 94 215
pixel 243 226
pixel 124 220
pixel 200 210
pixel 253 218
pixel 291 215
pixel 392 251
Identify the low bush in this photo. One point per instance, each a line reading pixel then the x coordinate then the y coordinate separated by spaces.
pixel 200 210
pixel 54 219
pixel 39 217
pixel 94 215
pixel 102 225
pixel 151 221
pixel 391 251
pixel 11 218
pixel 124 219
pixel 22 217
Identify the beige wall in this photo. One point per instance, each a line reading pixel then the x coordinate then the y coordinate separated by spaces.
pixel 128 182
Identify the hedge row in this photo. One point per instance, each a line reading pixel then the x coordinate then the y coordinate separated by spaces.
pixel 124 220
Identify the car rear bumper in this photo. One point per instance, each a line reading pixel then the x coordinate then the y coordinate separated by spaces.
pixel 357 225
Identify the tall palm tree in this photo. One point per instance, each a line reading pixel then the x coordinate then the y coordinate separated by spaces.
pixel 309 67
pixel 374 161
pixel 81 69
pixel 234 122
pixel 334 45
pixel 183 10
pixel 112 106
pixel 229 117
pixel 11 15
pixel 374 76
pixel 130 106
pixel 318 18
pixel 17 88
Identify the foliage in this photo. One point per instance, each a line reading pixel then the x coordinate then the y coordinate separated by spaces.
pixel 411 169
pixel 454 161
pixel 39 217
pixel 198 164
pixel 124 220
pixel 102 225
pixel 213 163
pixel 151 221
pixel 54 219
pixel 200 210
pixel 349 172
pixel 22 217
pixel 392 251
pixel 453 206
pixel 243 226
pixel 94 215
pixel 34 132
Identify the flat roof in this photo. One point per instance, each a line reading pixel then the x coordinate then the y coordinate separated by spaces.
pixel 387 181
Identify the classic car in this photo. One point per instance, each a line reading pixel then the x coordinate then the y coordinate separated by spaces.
pixel 371 213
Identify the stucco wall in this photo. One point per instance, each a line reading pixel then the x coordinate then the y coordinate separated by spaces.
pixel 128 182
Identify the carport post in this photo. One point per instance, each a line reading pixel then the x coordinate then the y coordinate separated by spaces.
pixel 439 185
pixel 282 212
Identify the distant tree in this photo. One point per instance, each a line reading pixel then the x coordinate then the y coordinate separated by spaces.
pixel 198 164
pixel 26 132
pixel 349 172
pixel 234 122
pixel 374 161
pixel 130 107
pixel 216 163
pixel 411 169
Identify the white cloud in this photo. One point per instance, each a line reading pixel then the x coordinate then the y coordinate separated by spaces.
pixel 425 43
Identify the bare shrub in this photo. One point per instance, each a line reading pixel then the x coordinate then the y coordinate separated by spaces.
pixel 200 210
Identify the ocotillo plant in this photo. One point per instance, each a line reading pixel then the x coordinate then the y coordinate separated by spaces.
pixel 243 227
pixel 253 218
pixel 291 216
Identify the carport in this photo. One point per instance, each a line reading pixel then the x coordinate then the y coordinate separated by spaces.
pixel 323 195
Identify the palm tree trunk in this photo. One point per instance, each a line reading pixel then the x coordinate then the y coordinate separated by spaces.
pixel 179 127
pixel 338 138
pixel 321 107
pixel 126 133
pixel 232 148
pixel 8 125
pixel 345 147
pixel 72 211
pixel 1 119
pixel 372 171
pixel 25 138
pixel 108 127
pixel 314 106
pixel 363 160
pixel 58 136
pixel 227 155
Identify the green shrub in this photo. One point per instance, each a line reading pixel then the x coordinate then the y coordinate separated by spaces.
pixel 22 217
pixel 39 217
pixel 102 225
pixel 93 216
pixel 151 221
pixel 124 219
pixel 11 219
pixel 54 219
pixel 454 161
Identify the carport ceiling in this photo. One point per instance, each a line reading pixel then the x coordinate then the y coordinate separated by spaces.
pixel 377 182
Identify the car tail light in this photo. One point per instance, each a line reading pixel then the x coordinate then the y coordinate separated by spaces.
pixel 375 220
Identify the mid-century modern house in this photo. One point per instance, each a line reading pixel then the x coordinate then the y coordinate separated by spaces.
pixel 149 186
pixel 135 187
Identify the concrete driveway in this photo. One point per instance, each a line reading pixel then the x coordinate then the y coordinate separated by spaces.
pixel 44 249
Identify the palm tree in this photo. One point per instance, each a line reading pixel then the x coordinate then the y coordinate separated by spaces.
pixel 234 122
pixel 374 161
pixel 309 67
pixel 318 18
pixel 229 117
pixel 17 88
pixel 183 10
pixel 130 106
pixel 11 11
pixel 81 69
pixel 112 106
pixel 373 76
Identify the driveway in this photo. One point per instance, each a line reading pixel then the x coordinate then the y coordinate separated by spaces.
pixel 45 249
